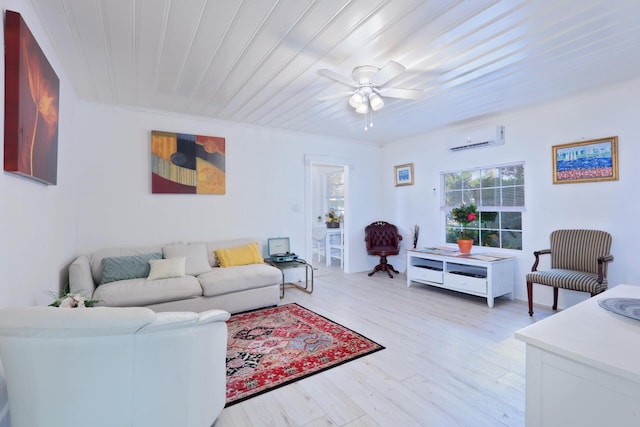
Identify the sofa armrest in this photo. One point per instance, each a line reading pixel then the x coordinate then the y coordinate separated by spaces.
pixel 213 316
pixel 170 320
pixel 49 322
pixel 180 319
pixel 80 278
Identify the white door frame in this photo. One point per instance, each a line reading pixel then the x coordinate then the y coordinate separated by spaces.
pixel 310 161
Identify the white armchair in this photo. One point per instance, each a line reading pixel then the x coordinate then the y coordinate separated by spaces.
pixel 113 367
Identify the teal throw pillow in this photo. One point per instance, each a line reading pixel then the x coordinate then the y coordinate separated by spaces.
pixel 127 267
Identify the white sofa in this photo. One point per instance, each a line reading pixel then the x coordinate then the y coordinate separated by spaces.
pixel 204 286
pixel 113 367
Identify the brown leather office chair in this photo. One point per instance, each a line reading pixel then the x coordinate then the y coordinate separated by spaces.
pixel 382 240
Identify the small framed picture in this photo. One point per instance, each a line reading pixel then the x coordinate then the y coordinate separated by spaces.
pixel 586 161
pixel 404 174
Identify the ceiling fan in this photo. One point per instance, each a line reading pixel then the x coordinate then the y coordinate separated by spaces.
pixel 368 83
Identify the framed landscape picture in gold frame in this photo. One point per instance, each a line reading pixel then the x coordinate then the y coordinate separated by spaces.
pixel 586 161
pixel 404 174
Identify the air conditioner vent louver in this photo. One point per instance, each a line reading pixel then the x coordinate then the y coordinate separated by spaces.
pixel 479 138
pixel 470 145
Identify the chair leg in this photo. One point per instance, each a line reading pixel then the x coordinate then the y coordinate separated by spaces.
pixel 555 298
pixel 530 297
pixel 376 269
pixel 390 267
pixel 384 266
pixel 388 272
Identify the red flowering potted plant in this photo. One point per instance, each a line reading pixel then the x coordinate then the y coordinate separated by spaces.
pixel 465 215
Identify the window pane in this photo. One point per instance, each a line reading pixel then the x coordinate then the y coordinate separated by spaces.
pixel 511 220
pixel 452 181
pixel 452 235
pixel 471 179
pixel 513 196
pixel 490 197
pixel 512 240
pixel 335 185
pixel 491 238
pixel 513 175
pixel 453 198
pixel 490 220
pixel 491 177
pixel 471 197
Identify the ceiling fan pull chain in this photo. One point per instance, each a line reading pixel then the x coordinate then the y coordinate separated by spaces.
pixel 368 120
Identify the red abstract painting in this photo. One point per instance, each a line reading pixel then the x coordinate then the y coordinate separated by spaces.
pixel 31 105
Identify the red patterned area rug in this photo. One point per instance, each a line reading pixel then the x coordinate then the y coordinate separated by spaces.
pixel 272 347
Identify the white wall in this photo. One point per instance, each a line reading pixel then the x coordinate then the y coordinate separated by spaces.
pixel 265 175
pixel 530 134
pixel 37 224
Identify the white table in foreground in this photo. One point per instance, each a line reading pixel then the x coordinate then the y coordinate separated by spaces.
pixel 478 274
pixel 583 366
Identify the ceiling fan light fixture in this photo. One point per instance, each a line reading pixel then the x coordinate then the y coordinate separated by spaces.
pixel 376 101
pixel 363 108
pixel 356 100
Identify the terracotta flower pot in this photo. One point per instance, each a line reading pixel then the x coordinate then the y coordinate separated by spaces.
pixel 465 245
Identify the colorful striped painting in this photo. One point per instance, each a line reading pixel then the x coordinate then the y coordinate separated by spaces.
pixel 187 164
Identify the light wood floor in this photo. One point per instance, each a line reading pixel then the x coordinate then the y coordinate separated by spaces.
pixel 449 360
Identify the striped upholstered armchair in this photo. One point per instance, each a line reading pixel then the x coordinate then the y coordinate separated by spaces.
pixel 578 262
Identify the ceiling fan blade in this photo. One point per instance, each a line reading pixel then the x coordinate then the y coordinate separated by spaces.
pixel 334 96
pixel 392 92
pixel 337 77
pixel 390 70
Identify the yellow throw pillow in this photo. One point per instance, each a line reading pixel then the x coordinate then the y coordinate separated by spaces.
pixel 240 255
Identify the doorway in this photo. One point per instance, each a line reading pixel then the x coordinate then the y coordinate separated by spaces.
pixel 327 198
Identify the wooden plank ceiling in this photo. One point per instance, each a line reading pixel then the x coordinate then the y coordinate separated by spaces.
pixel 256 61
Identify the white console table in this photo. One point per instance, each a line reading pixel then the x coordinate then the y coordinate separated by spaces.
pixel 582 366
pixel 483 275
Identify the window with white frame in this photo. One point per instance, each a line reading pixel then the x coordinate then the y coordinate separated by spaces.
pixel 498 193
pixel 335 192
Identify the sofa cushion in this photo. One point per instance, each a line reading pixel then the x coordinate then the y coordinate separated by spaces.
pixel 220 281
pixel 95 259
pixel 127 267
pixel 212 245
pixel 166 268
pixel 240 255
pixel 196 255
pixel 135 292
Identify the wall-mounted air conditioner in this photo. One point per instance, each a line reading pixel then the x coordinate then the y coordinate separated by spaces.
pixel 477 138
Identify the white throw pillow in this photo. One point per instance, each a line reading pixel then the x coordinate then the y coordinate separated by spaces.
pixel 166 268
pixel 196 255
